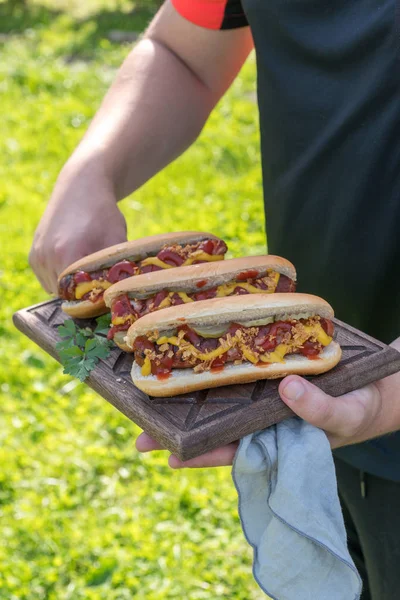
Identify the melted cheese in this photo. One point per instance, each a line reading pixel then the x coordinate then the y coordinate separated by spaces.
pixel 277 356
pixel 275 276
pixel 121 320
pixel 227 288
pixel 315 331
pixel 209 355
pixel 184 297
pixel 167 340
pixel 166 302
pixel 157 262
pixel 320 335
pixel 88 286
pixel 168 299
pixel 222 290
pixel 249 354
pixel 146 368
pixel 201 355
pixel 203 256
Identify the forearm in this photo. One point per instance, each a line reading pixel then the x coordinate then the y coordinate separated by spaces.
pixel 160 99
pixel 154 110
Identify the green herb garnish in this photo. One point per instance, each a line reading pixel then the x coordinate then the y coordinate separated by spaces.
pixel 81 349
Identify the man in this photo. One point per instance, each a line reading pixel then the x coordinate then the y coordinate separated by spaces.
pixel 329 100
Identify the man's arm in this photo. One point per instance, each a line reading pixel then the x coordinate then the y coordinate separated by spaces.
pixel 162 96
pixel 157 106
pixel 369 412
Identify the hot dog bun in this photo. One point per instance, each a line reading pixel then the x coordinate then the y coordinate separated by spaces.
pixel 234 309
pixel 134 250
pixel 84 309
pixel 186 279
pixel 183 381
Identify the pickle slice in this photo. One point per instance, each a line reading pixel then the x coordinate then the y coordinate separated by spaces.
pixel 214 331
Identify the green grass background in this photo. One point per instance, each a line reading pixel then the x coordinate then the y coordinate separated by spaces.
pixel 82 514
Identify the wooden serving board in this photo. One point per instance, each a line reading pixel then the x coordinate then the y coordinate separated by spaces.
pixel 192 424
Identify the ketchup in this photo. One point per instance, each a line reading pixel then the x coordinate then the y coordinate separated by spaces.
pixel 207 246
pixel 141 344
pixel 81 277
pixel 190 335
pixel 170 257
pixel 121 306
pixel 121 270
pixel 163 376
pixel 201 283
pixel 159 297
pixel 162 368
pixel 219 362
pixel 217 369
pixel 310 349
pixel 251 274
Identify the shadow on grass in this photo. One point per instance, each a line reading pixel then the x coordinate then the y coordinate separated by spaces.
pixel 18 16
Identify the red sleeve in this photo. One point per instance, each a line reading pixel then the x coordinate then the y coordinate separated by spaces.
pixel 212 14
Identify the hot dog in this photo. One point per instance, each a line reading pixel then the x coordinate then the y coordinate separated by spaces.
pixel 137 296
pixel 83 283
pixel 232 340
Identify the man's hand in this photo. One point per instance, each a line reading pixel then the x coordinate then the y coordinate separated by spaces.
pixel 156 107
pixel 369 412
pixel 81 217
pixel 345 419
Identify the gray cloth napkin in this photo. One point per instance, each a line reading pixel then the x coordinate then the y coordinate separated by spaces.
pixel 291 515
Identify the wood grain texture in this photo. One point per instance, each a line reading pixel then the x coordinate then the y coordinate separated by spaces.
pixel 192 424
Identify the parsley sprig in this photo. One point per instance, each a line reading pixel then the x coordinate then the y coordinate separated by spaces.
pixel 82 348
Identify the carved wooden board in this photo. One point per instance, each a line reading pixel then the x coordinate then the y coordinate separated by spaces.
pixel 190 425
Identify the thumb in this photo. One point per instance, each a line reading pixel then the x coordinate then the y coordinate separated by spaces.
pixel 346 419
pixel 312 404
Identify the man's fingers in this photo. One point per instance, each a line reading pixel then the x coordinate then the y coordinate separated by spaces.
pixel 220 457
pixel 145 443
pixel 343 416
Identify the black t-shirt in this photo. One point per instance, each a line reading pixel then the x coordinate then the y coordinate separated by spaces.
pixel 329 101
